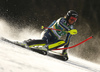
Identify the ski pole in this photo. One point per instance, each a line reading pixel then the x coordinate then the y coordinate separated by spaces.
pixel 72 32
pixel 76 44
pixel 42 27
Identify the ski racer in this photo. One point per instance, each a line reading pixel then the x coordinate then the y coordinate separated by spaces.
pixel 52 37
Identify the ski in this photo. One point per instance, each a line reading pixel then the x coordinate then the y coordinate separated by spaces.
pixel 39 50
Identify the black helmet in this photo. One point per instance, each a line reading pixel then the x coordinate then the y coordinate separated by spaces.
pixel 71 13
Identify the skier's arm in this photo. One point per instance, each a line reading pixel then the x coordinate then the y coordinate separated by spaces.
pixel 61 21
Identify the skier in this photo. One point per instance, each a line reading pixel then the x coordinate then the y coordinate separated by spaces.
pixel 52 37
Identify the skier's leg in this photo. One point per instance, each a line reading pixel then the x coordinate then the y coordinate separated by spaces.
pixel 49 38
pixel 31 42
pixel 55 45
pixel 64 52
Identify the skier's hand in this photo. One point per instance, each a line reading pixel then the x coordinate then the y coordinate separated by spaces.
pixel 72 32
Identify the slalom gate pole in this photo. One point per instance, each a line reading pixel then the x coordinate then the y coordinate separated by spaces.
pixel 76 44
pixel 42 27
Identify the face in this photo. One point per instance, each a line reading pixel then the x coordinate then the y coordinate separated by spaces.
pixel 72 20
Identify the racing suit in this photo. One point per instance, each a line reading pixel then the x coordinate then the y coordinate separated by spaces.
pixel 52 37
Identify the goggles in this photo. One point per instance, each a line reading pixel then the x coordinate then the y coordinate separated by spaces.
pixel 73 19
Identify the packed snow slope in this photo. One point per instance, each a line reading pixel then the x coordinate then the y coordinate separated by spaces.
pixel 17 59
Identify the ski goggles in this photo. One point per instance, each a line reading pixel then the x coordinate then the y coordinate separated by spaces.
pixel 73 19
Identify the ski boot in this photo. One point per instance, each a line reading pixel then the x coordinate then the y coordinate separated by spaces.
pixel 44 50
pixel 65 56
pixel 25 43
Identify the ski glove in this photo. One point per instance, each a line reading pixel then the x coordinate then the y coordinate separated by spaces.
pixel 72 32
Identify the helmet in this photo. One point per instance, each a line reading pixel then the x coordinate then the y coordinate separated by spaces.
pixel 71 13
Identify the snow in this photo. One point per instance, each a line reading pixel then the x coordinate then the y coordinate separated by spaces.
pixel 17 59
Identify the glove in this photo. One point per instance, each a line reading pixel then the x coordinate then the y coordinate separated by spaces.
pixel 72 32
